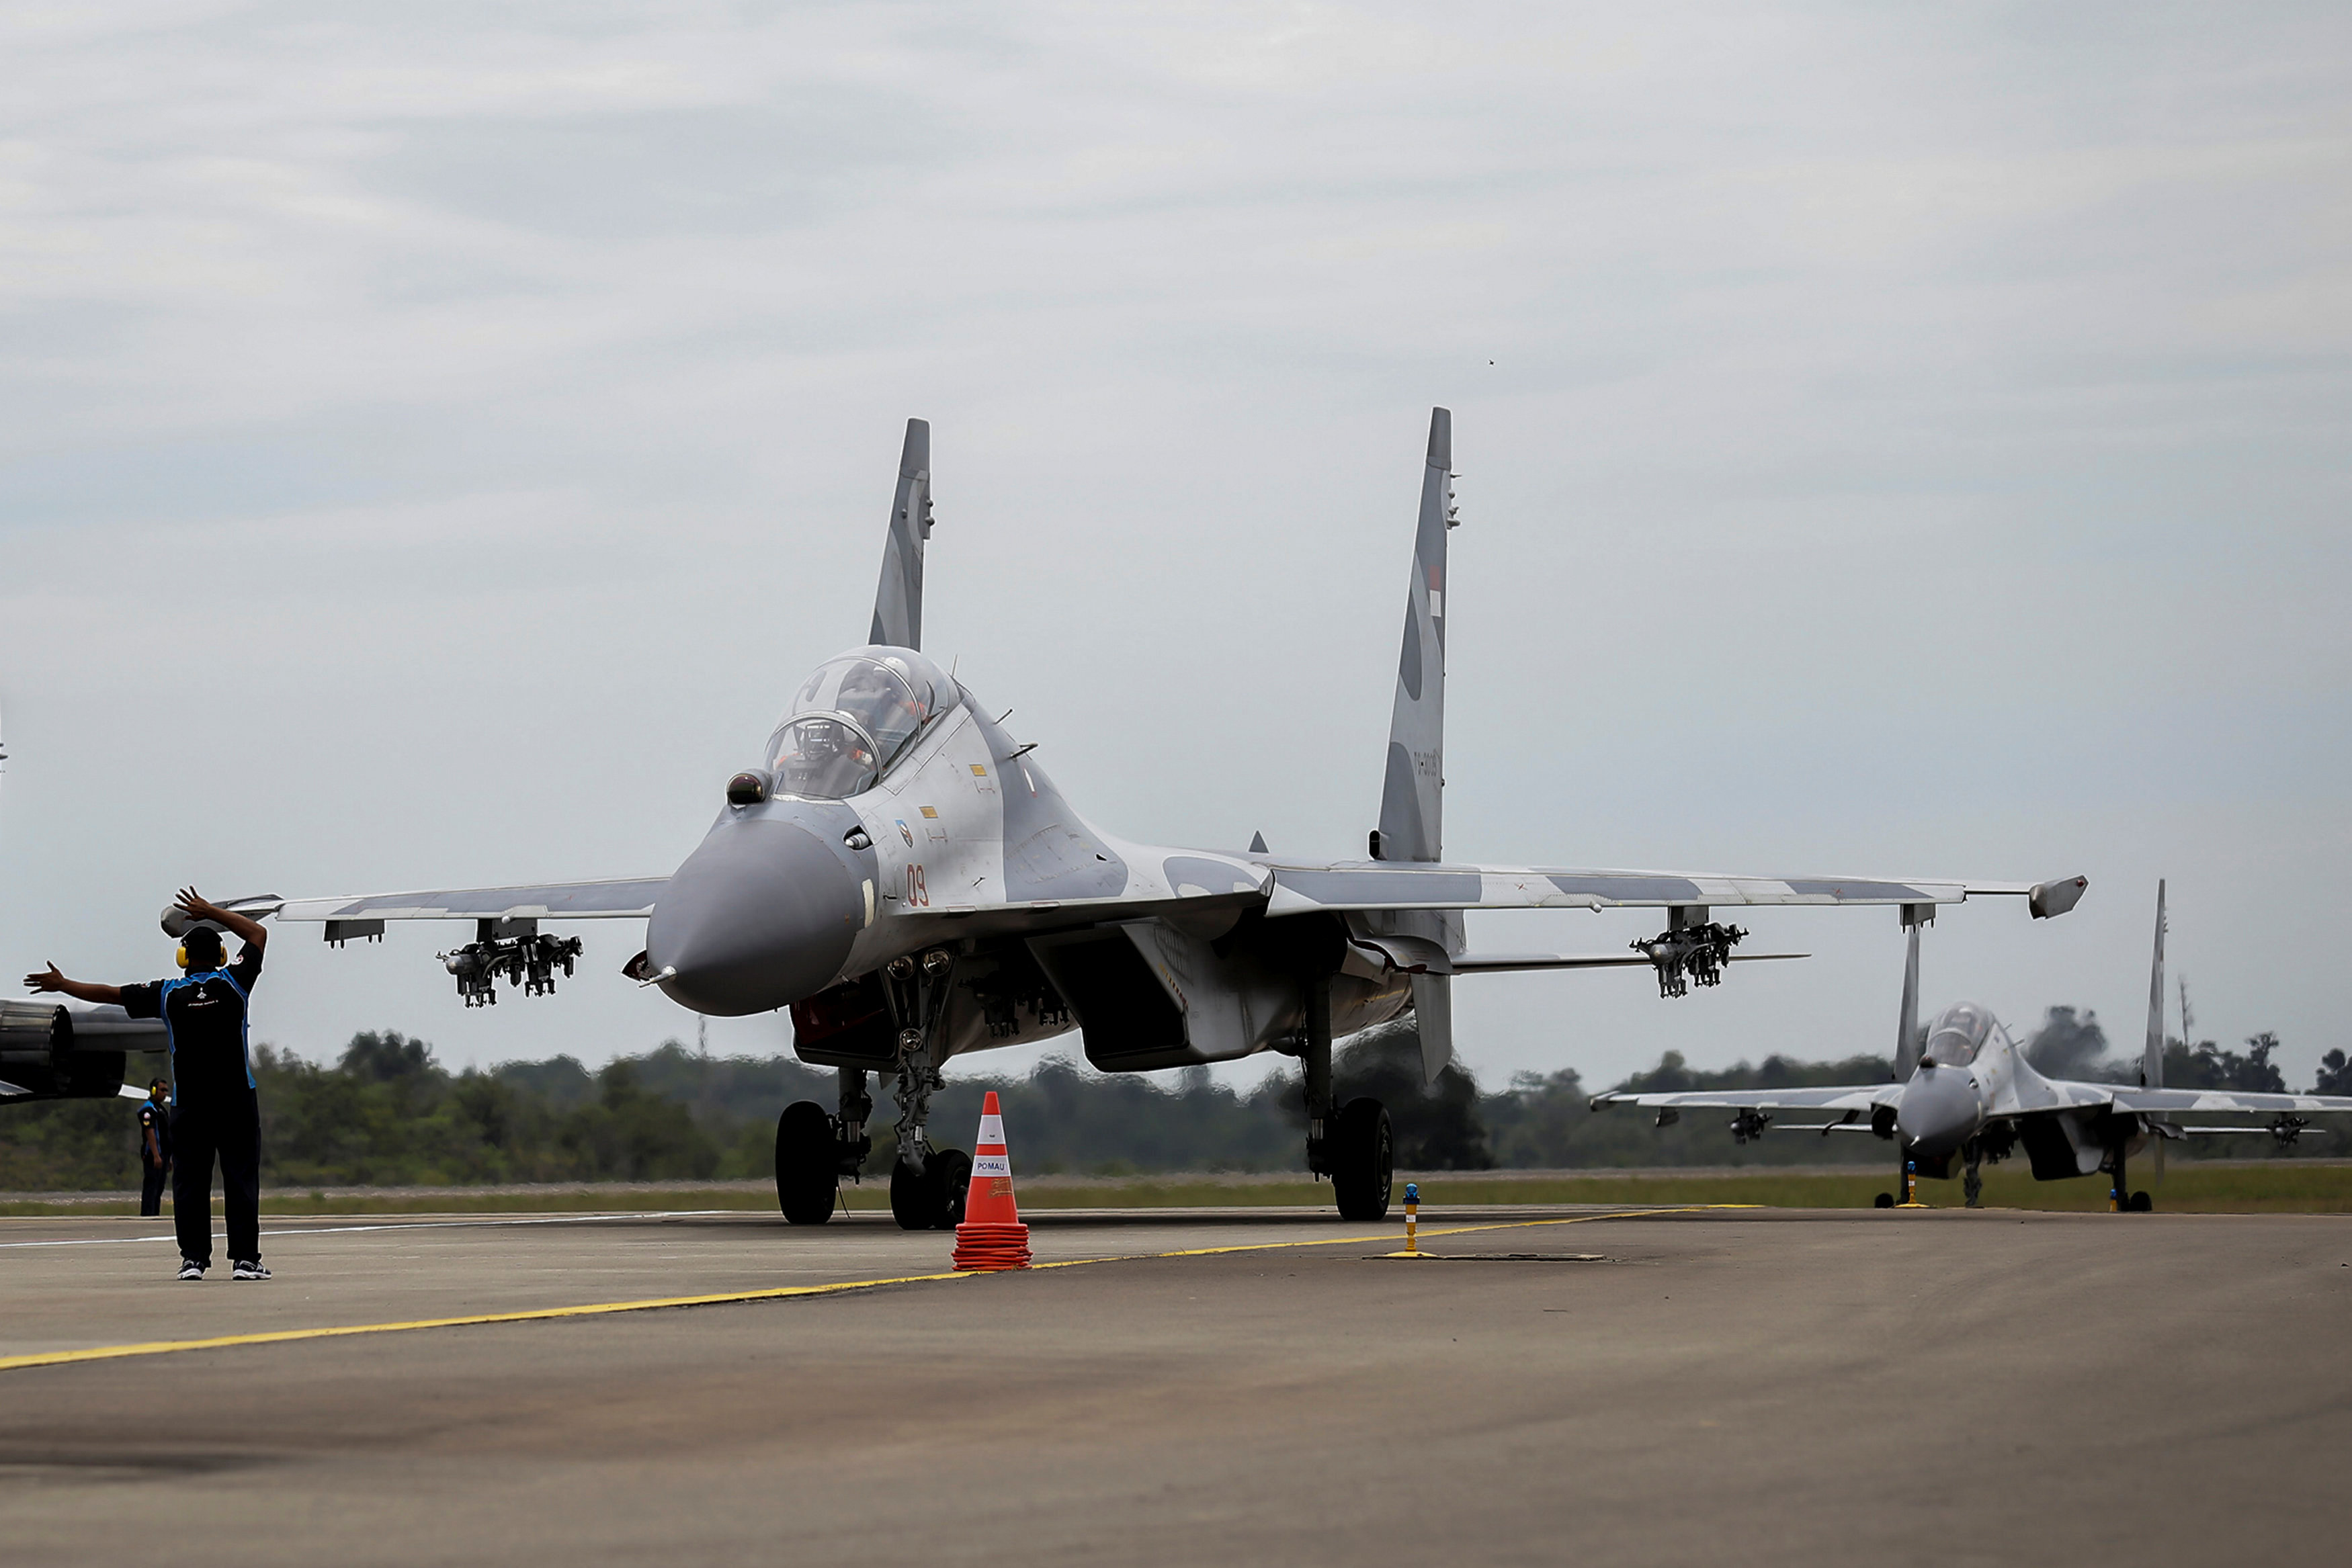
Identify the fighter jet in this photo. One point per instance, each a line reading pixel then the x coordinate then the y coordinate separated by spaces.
pixel 1970 1096
pixel 899 871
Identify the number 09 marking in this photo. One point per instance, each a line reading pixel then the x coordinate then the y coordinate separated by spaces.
pixel 917 895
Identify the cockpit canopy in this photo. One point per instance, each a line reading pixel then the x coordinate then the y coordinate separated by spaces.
pixel 1958 1032
pixel 852 719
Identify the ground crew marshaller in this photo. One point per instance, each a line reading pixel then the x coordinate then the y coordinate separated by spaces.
pixel 214 1108
pixel 155 1146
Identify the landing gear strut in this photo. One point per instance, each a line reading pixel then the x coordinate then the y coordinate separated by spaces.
pixel 1903 1193
pixel 1972 1180
pixel 1355 1146
pixel 2121 1200
pixel 927 1184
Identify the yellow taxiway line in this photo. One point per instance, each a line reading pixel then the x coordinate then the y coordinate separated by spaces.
pixel 784 1292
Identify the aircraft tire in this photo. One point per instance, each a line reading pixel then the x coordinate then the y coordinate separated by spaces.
pixel 915 1195
pixel 805 1179
pixel 1884 1200
pixel 949 1171
pixel 1364 1159
pixel 2142 1204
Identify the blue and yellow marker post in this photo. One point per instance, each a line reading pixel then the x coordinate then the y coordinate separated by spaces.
pixel 1412 1225
pixel 1910 1185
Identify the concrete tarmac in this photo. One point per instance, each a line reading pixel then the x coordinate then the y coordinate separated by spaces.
pixel 1727 1386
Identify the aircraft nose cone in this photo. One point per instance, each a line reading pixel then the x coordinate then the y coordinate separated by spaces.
pixel 1938 1111
pixel 761 915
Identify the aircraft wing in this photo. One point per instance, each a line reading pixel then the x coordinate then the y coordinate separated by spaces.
pixel 1829 1097
pixel 626 899
pixel 2161 1101
pixel 1504 963
pixel 1300 889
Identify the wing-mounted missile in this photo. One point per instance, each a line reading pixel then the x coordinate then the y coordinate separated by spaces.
pixel 1692 949
pixel 514 949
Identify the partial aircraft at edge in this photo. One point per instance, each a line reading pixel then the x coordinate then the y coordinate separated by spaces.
pixel 1972 1097
pixel 51 1051
pixel 901 873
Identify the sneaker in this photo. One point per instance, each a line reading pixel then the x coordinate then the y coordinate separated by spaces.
pixel 191 1270
pixel 250 1269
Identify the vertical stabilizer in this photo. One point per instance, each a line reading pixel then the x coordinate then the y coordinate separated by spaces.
pixel 2151 1062
pixel 1412 787
pixel 899 601
pixel 1907 1030
pixel 1412 793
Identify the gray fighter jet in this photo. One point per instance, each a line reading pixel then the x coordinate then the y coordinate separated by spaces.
pixel 1969 1095
pixel 899 871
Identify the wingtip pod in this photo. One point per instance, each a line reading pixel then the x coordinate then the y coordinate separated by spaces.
pixel 2048 900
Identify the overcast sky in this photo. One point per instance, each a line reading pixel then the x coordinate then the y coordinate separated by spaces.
pixel 1893 440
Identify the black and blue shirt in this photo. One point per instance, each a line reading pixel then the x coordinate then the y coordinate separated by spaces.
pixel 156 1119
pixel 203 1016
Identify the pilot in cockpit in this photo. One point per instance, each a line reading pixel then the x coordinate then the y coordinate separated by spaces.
pixel 824 759
pixel 877 699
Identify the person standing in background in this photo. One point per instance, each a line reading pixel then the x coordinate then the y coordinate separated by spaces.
pixel 155 1147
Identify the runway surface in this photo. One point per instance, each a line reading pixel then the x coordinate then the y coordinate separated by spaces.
pixel 1723 1385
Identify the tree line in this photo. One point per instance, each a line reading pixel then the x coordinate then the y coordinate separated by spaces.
pixel 385 1112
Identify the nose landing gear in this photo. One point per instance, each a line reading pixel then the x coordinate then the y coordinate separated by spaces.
pixel 927 1184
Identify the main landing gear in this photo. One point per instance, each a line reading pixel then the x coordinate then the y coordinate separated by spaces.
pixel 1354 1147
pixel 2121 1200
pixel 814 1150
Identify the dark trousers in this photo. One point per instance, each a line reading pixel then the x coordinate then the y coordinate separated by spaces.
pixel 229 1127
pixel 150 1193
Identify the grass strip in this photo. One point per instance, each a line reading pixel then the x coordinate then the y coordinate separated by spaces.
pixel 2281 1187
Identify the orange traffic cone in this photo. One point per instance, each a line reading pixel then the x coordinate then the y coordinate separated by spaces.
pixel 992 1235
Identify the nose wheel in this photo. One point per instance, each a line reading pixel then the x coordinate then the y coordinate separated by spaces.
pixel 930 1198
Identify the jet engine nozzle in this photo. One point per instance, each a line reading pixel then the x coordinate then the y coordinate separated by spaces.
pixel 761 915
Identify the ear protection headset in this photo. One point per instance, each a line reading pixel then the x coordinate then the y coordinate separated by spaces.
pixel 181 958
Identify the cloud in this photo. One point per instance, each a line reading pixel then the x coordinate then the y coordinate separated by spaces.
pixel 436 440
